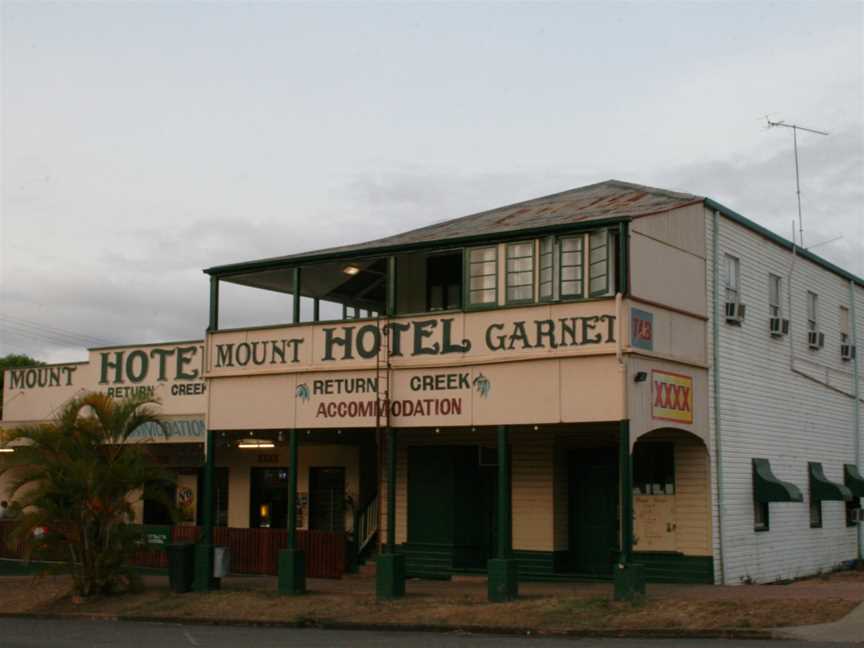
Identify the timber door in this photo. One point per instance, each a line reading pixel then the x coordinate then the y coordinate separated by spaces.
pixel 327 499
pixel 451 504
pixel 593 477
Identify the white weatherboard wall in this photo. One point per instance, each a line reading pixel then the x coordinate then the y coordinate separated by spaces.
pixel 770 409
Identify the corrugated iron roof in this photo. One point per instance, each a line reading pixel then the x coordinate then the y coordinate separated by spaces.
pixel 609 200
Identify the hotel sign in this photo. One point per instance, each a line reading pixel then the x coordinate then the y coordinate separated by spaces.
pixel 462 336
pixel 671 396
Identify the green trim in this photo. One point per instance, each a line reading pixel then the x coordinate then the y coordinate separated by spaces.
pixel 823 489
pixel 782 242
pixel 478 240
pixel 767 488
pixel 674 567
pixel 853 480
pixel 509 302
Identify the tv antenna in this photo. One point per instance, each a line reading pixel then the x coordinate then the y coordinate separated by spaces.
pixel 795 128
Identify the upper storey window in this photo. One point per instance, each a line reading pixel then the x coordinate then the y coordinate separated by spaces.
pixel 572 267
pixel 520 272
pixel 553 268
pixel 733 280
pixel 483 276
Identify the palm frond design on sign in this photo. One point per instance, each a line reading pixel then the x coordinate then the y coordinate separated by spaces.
pixel 302 391
pixel 483 385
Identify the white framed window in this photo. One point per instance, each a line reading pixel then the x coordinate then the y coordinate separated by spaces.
pixel 483 276
pixel 572 261
pixel 733 280
pixel 775 295
pixel 520 272
pixel 598 262
pixel 812 311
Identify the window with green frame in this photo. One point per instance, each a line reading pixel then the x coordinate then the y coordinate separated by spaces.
pixel 483 276
pixel 572 261
pixel 598 262
pixel 547 268
pixel 520 272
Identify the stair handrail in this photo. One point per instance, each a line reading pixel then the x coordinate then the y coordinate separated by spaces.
pixel 367 524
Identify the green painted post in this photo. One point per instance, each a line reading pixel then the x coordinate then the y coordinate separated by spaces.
pixel 390 306
pixel 623 252
pixel 316 310
pixel 295 315
pixel 292 561
pixel 391 490
pixel 390 567
pixel 503 576
pixel 629 576
pixel 214 304
pixel 625 472
pixel 203 580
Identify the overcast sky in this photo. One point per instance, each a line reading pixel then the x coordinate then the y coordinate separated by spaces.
pixel 144 142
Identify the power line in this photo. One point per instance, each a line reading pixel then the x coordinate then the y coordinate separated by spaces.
pixel 80 338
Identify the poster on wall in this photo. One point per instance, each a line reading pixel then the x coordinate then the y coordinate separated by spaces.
pixel 671 396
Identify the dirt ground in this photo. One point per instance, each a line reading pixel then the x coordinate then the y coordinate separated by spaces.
pixel 546 607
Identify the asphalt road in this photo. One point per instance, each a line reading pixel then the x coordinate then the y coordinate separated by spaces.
pixel 30 633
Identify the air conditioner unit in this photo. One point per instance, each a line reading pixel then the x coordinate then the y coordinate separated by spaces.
pixel 815 339
pixel 847 351
pixel 735 312
pixel 779 326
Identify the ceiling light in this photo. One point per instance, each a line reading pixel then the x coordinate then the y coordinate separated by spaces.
pixel 7 449
pixel 255 444
pixel 351 270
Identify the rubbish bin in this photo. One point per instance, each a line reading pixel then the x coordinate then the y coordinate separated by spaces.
pixel 181 566
pixel 221 561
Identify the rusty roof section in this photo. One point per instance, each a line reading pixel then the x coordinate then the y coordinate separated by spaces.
pixel 609 200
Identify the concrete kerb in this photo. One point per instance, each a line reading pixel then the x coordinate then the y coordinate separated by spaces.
pixel 647 633
pixel 849 629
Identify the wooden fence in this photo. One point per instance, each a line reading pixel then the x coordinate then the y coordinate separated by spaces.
pixel 253 551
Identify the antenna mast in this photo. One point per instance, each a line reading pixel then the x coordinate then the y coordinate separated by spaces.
pixel 795 128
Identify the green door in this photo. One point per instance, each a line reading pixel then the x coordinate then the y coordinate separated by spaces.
pixel 593 510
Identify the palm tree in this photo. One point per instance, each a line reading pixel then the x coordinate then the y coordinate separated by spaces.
pixel 77 479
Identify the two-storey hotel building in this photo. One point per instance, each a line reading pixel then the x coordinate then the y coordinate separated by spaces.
pixel 607 375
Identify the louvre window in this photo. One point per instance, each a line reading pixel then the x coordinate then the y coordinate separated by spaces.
pixel 483 276
pixel 520 272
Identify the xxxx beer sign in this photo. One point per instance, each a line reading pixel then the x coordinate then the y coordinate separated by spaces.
pixel 672 396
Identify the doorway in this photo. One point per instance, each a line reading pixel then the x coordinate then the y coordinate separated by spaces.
pixel 327 499
pixel 452 502
pixel 593 499
pixel 269 498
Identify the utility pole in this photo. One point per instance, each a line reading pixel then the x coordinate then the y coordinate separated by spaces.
pixel 795 128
